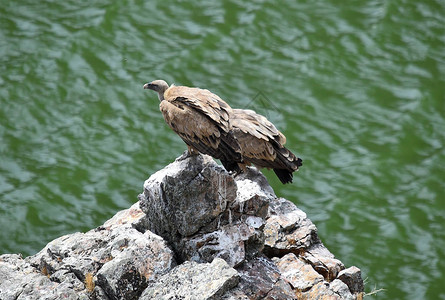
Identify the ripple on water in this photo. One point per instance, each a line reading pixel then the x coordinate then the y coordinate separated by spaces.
pixel 357 89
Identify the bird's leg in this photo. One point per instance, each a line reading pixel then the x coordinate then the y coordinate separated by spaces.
pixel 191 151
pixel 235 173
pixel 242 169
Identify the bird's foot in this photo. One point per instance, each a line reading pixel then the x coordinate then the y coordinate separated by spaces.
pixel 234 174
pixel 188 153
pixel 191 151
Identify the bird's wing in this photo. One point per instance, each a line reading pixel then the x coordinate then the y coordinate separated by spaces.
pixel 203 101
pixel 252 147
pixel 190 125
pixel 254 133
pixel 257 125
pixel 197 130
pixel 261 142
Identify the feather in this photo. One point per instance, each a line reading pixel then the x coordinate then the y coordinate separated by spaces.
pixel 201 119
pixel 262 144
pixel 238 137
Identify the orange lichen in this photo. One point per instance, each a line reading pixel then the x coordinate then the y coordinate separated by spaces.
pixel 89 282
pixel 44 271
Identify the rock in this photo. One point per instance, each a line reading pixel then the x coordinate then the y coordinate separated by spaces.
pixel 185 196
pixel 288 229
pixel 282 291
pixel 320 291
pixel 229 243
pixel 19 280
pixel 300 275
pixel 252 183
pixel 341 289
pixel 132 215
pixel 117 258
pixel 260 279
pixel 194 281
pixel 352 277
pixel 196 233
pixel 141 260
pixel 235 294
pixel 323 261
pixel 198 208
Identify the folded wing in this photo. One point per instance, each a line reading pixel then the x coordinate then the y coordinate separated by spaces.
pixel 262 144
pixel 201 119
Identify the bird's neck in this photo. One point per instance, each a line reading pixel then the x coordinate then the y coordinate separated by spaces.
pixel 162 92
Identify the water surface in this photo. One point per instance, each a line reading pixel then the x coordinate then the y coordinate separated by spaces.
pixel 358 88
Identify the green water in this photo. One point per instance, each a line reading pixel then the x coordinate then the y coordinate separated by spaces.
pixel 358 88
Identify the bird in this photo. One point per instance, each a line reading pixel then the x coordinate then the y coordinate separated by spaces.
pixel 262 144
pixel 201 119
pixel 237 137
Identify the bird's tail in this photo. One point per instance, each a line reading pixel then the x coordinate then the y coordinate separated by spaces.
pixel 285 176
pixel 230 166
pixel 290 164
pixel 288 159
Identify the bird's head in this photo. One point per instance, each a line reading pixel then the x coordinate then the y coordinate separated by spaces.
pixel 159 86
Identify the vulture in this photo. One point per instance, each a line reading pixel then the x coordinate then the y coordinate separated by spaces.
pixel 262 144
pixel 237 137
pixel 201 119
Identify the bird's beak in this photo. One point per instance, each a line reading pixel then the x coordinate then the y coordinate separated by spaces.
pixel 148 86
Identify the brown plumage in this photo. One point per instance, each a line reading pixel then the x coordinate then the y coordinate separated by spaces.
pixel 262 144
pixel 237 137
pixel 201 119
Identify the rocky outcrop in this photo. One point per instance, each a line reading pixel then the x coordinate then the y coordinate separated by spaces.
pixel 192 280
pixel 195 233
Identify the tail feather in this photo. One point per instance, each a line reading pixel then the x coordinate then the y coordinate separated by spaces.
pixel 288 159
pixel 299 162
pixel 230 166
pixel 290 162
pixel 285 176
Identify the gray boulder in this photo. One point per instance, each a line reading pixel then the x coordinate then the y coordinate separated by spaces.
pixel 185 196
pixel 19 280
pixel 115 260
pixel 300 275
pixel 352 277
pixel 190 280
pixel 197 232
pixel 196 206
pixel 288 230
pixel 260 278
